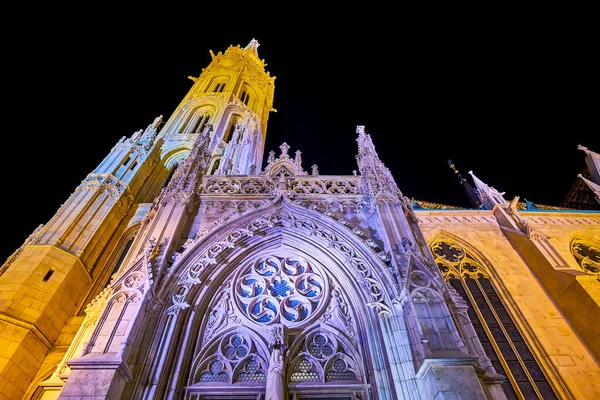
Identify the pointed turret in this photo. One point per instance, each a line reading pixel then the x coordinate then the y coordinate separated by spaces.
pixel 593 186
pixel 378 178
pixel 471 192
pixel 592 161
pixel 488 196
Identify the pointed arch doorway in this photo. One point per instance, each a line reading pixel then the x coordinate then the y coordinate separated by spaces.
pixel 280 323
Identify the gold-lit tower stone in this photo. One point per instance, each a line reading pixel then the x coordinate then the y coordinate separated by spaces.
pixel 47 283
pixel 184 268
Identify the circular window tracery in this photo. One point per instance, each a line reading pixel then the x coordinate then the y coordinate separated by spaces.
pixel 275 289
pixel 453 261
pixel 587 256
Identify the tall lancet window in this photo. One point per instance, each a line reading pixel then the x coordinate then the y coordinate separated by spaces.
pixel 508 351
pixel 171 173
pixel 245 98
pixel 229 133
pixel 200 123
pixel 215 166
pixel 113 265
pixel 219 87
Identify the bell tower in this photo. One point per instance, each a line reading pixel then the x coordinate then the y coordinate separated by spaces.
pixel 218 128
pixel 232 99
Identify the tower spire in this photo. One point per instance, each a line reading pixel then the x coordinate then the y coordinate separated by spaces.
pixel 378 178
pixel 471 192
pixel 488 196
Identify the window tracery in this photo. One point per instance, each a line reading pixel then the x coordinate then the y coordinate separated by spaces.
pixel 196 121
pixel 508 351
pixel 279 290
pixel 587 256
pixel 323 358
pixel 270 290
pixel 235 359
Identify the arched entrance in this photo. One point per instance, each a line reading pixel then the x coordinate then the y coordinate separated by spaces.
pixel 283 325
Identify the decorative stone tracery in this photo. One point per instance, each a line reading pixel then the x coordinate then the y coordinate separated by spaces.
pixel 244 338
pixel 232 358
pixel 280 290
pixel 324 356
pixel 192 273
pixel 587 255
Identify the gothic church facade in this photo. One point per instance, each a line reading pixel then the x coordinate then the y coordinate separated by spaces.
pixel 184 268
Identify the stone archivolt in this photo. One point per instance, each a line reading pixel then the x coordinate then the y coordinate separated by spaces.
pixel 191 269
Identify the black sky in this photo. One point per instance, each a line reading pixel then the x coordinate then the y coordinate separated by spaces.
pixel 506 95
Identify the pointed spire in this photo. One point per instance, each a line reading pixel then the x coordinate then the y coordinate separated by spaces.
pixel 253 47
pixel 592 160
pixel 488 196
pixel 595 187
pixel 471 192
pixel 378 179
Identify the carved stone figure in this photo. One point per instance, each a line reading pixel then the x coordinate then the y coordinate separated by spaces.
pixel 276 371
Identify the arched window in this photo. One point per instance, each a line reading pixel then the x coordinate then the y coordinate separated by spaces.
pixel 587 255
pixel 264 299
pixel 219 87
pixel 215 166
pixel 196 122
pixel 245 97
pixel 499 335
pixel 229 133
pixel 200 123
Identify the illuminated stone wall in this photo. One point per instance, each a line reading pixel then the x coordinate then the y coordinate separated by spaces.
pixel 568 361
pixel 184 264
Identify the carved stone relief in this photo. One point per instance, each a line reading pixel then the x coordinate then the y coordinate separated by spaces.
pixel 275 289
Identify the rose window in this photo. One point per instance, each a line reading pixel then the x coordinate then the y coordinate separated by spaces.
pixel 279 290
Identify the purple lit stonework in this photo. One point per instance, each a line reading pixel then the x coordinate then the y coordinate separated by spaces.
pixel 185 267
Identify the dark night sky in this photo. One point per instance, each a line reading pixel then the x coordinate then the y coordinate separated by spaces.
pixel 509 97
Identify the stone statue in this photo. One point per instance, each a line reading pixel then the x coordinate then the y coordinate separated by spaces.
pixel 276 370
pixel 275 376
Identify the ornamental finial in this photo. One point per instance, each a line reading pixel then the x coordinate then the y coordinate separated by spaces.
pixel 253 46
